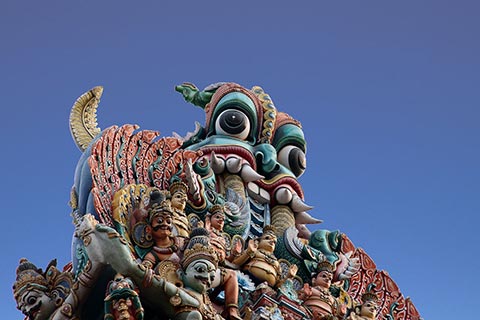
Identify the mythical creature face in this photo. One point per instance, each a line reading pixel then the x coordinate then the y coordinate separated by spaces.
pixel 245 137
pixel 199 275
pixel 179 201
pixel 323 279
pixel 36 304
pixel 368 310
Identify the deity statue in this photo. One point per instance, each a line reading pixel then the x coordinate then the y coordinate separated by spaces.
pixel 258 259
pixel 224 277
pixel 139 204
pixel 318 299
pixel 367 310
pixel 159 226
pixel 178 199
pixel 122 301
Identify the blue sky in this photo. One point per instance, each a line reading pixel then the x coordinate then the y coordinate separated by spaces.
pixel 387 92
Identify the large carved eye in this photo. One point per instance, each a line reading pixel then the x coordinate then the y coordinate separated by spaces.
pixel 293 158
pixel 31 300
pixel 233 123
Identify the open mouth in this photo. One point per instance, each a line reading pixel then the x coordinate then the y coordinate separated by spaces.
pixel 205 281
pixel 32 315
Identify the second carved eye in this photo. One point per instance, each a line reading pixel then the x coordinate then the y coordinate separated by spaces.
pixel 293 158
pixel 233 123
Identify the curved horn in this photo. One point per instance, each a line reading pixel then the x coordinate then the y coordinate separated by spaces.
pixel 83 118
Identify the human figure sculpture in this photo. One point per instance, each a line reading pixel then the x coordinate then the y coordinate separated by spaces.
pixel 122 301
pixel 367 310
pixel 196 270
pixel 259 261
pixel 160 225
pixel 34 292
pixel 224 277
pixel 178 199
pixel 317 298
pixel 52 294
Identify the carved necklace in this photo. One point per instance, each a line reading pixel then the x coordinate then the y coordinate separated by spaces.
pixel 269 257
pixel 171 248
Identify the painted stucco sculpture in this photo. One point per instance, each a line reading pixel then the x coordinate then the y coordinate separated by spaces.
pixel 140 203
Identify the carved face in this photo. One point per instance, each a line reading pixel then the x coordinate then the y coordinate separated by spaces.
pixel 122 309
pixel 368 310
pixel 36 304
pixel 162 225
pixel 179 201
pixel 246 137
pixel 267 242
pixel 323 279
pixel 217 221
pixel 199 275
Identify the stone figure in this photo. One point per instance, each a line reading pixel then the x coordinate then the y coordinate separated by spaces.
pixel 159 226
pixel 178 199
pixel 367 310
pixel 317 297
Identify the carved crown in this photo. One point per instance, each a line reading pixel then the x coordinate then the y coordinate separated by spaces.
pixel 28 275
pixel 325 266
pixel 269 229
pixel 199 247
pixel 156 209
pixel 369 296
pixel 216 209
pixel 178 186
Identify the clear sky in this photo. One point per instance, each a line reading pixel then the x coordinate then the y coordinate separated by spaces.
pixel 387 92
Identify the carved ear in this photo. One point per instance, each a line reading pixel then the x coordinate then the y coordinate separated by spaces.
pixel 180 273
pixel 208 223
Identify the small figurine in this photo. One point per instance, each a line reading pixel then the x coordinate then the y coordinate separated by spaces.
pixel 224 277
pixel 122 301
pixel 367 310
pixel 317 298
pixel 160 225
pixel 41 295
pixel 197 270
pixel 258 259
pixel 178 199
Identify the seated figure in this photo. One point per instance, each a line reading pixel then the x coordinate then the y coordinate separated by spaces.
pixel 258 259
pixel 317 298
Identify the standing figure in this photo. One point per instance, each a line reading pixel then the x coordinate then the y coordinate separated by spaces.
pixel 178 199
pixel 367 310
pixel 317 298
pixel 226 278
pixel 160 225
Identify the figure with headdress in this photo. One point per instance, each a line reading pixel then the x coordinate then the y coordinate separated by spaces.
pixel 224 277
pixel 367 310
pixel 178 199
pixel 41 295
pixel 159 226
pixel 258 259
pixel 318 298
pixel 122 301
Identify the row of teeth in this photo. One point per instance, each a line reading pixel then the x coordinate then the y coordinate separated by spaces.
pixel 283 194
